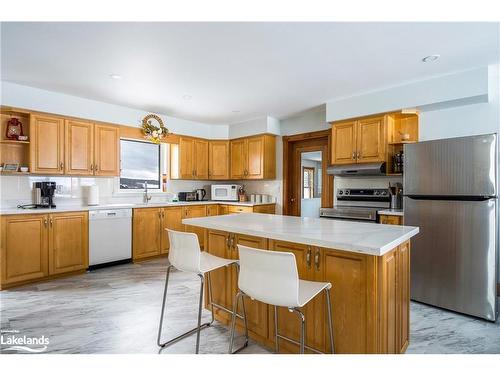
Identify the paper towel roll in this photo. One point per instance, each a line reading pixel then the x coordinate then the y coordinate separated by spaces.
pixel 93 195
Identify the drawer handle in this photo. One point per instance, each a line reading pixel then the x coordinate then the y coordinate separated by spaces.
pixel 316 259
pixel 308 257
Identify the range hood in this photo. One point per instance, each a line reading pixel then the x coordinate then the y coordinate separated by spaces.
pixel 361 169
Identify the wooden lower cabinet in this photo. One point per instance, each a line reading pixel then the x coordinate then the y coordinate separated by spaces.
pixel 265 209
pixel 390 219
pixel 225 209
pixel 213 210
pixel 24 248
pixel 68 242
pixel 36 247
pixel 146 232
pixel 196 211
pixel 171 218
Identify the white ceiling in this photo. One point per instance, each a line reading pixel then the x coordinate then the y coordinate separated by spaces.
pixel 258 69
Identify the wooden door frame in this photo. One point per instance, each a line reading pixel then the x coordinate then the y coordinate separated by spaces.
pixel 288 142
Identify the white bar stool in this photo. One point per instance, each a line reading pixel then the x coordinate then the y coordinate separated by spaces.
pixel 185 255
pixel 271 277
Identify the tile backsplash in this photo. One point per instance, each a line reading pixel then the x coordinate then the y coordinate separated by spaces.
pixel 72 191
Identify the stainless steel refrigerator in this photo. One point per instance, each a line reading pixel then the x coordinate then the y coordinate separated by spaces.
pixel 450 192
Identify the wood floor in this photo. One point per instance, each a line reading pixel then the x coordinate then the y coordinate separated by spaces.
pixel 116 310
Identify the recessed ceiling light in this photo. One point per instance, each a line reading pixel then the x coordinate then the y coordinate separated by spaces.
pixel 236 111
pixel 187 97
pixel 115 76
pixel 431 58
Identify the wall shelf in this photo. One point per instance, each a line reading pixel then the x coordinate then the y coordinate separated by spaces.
pixel 11 141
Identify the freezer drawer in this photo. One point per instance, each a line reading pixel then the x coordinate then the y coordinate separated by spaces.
pixel 464 166
pixel 453 259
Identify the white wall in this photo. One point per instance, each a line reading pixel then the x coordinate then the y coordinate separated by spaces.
pixel 465 120
pixel 447 90
pixel 265 124
pixel 308 121
pixel 20 96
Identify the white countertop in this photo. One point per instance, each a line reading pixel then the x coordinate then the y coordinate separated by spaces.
pixel 359 237
pixel 393 212
pixel 113 206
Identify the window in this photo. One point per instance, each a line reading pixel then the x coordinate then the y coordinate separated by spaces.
pixel 140 162
pixel 308 181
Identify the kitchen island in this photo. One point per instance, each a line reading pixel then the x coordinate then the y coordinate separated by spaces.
pixel 367 264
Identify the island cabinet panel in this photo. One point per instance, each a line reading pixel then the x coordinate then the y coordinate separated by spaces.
pixel 352 278
pixel 257 312
pixel 309 267
pixel 146 237
pixel 218 244
pixel 23 248
pixel 171 218
pixel 68 242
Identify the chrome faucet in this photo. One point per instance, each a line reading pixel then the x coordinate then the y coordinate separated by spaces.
pixel 146 198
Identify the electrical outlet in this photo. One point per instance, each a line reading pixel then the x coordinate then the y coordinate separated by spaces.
pixel 59 189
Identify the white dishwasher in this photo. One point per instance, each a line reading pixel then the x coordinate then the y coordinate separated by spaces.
pixel 110 237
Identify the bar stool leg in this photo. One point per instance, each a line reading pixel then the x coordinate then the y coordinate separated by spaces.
pixel 210 302
pixel 163 305
pixel 276 338
pixel 202 279
pixel 330 325
pixel 302 329
pixel 233 323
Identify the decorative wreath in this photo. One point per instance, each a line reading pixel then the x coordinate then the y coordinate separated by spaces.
pixel 154 132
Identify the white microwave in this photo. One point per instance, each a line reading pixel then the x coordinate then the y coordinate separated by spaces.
pixel 225 192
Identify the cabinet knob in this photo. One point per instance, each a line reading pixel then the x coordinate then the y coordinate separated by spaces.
pixel 91 167
pixel 51 222
pixel 353 155
pixel 61 166
pixel 308 257
pixel 45 222
pixel 359 155
pixel 95 167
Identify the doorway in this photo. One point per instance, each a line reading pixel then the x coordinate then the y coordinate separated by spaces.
pixel 306 185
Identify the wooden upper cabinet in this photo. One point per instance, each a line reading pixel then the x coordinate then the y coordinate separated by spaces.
pixel 238 158
pixel 344 143
pixel 253 157
pixel 371 140
pixel 189 159
pixel 201 159
pixel 47 144
pixel 68 242
pixel 186 162
pixel 23 248
pixel 106 150
pixel 218 160
pixel 359 141
pixel 79 147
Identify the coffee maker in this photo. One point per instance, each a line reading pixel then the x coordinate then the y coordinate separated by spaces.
pixel 43 194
